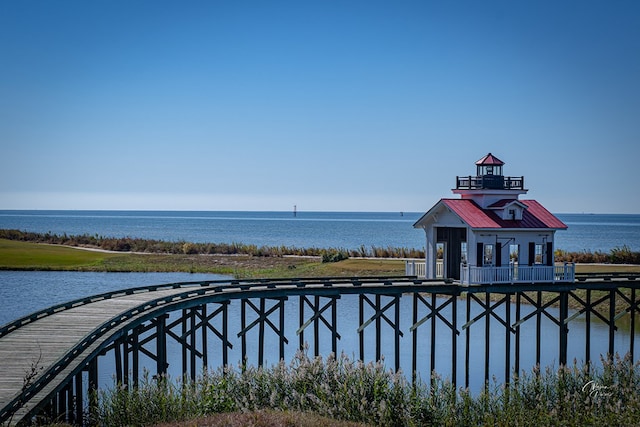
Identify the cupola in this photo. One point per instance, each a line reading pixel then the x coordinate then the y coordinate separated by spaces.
pixel 489 169
pixel 489 185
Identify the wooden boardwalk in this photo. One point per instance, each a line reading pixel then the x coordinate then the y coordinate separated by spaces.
pixel 58 344
pixel 53 345
pixel 41 343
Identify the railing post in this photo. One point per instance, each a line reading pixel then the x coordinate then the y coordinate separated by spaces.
pixel 517 335
pixel 538 325
pixel 507 344
pixel 161 345
pixel 261 332
pixel 360 322
pixel 487 338
pixel 632 312
pixel 612 322
pixel 92 390
pixel 564 328
pixel 467 347
pixel 454 338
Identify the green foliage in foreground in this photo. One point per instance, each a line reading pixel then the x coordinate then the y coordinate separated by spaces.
pixel 342 389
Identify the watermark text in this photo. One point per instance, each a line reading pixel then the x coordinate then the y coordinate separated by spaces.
pixel 596 390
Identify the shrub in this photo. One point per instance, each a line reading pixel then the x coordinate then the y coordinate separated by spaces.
pixel 624 255
pixel 334 256
pixel 189 249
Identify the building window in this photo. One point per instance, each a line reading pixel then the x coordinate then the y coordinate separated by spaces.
pixel 488 254
pixel 463 252
pixel 514 253
pixel 539 254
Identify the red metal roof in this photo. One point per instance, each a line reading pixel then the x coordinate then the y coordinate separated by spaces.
pixel 535 216
pixel 489 160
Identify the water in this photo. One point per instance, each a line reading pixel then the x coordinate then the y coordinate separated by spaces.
pixel 349 230
pixel 24 292
pixel 598 232
pixel 308 229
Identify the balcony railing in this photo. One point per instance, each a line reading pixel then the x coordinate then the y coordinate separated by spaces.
pixel 494 182
pixel 487 275
pixel 517 274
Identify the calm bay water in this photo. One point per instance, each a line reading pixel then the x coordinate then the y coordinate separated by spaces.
pixel 350 230
pixel 24 292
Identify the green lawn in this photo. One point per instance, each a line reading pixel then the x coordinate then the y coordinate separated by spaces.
pixel 18 255
pixel 33 256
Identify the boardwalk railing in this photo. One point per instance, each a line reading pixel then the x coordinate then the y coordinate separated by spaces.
pixel 145 322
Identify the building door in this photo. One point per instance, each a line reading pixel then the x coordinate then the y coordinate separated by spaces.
pixel 452 238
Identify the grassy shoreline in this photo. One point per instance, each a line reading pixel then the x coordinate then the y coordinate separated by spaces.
pixel 447 406
pixel 27 256
pixel 32 256
pixel 618 255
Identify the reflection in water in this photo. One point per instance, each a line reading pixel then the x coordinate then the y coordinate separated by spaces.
pixel 25 292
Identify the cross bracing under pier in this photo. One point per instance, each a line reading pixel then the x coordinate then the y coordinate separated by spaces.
pixel 67 341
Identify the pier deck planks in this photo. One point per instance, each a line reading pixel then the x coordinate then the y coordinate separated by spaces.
pixel 47 339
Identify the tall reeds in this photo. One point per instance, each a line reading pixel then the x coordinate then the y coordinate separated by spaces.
pixel 130 244
pixel 340 388
pixel 619 255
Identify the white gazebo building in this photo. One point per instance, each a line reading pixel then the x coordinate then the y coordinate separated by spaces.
pixel 489 235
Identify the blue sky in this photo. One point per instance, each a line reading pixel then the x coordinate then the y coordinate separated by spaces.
pixel 327 105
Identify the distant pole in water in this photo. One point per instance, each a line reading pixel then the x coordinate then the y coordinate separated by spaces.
pixel 295 210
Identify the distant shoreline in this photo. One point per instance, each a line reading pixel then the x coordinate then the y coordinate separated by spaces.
pixel 288 212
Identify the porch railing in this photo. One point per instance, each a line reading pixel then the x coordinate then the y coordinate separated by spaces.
pixel 470 274
pixel 415 268
pixel 514 273
pixel 419 268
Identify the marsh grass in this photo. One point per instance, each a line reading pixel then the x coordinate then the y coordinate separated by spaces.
pixel 339 388
pixel 132 244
